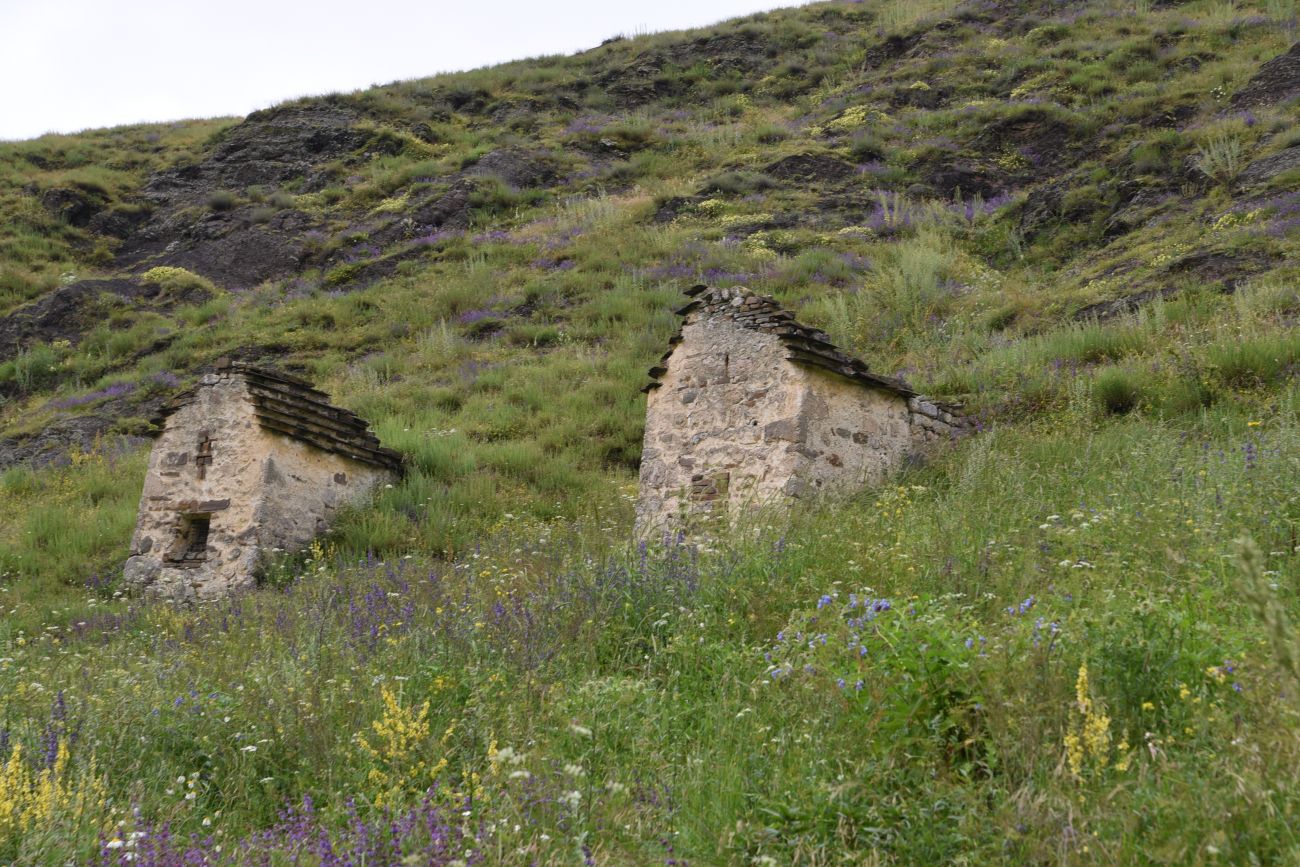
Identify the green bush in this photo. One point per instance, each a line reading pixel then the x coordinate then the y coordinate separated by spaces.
pixel 223 200
pixel 1221 157
pixel 735 183
pixel 1116 390
pixel 174 280
pixel 1254 362
pixel 32 369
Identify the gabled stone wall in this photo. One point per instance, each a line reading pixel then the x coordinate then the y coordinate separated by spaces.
pixel 223 487
pixel 204 463
pixel 723 429
pixel 749 408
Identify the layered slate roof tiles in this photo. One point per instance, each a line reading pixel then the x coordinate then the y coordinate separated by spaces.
pixel 803 344
pixel 294 408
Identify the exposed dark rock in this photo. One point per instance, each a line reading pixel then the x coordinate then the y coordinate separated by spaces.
pixel 67 312
pixel 100 428
pixel 54 442
pixel 367 273
pixel 518 167
pixel 470 100
pixel 893 47
pixel 118 222
pixel 671 208
pixel 818 168
pixel 269 148
pixel 424 132
pixel 227 248
pixel 1044 140
pixel 951 176
pixel 1266 168
pixel 1136 206
pixel 74 206
pixel 919 97
pixel 643 79
pixel 1277 81
pixel 1104 310
pixel 1041 209
pixel 231 248
pixel 1220 269
pixel 450 208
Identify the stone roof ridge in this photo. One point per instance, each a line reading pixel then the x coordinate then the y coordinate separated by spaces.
pixel 287 405
pixel 763 313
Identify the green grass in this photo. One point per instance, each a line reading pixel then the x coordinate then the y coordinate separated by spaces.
pixel 1119 461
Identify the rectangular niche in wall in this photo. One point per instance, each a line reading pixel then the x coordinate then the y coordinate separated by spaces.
pixel 191 547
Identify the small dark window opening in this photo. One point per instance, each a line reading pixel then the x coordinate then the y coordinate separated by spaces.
pixel 191 546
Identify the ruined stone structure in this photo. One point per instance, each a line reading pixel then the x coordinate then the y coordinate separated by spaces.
pixel 749 407
pixel 249 460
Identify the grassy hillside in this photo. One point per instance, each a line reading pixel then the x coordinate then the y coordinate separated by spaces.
pixel 1066 640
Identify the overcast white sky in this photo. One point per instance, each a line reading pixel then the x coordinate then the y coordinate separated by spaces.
pixel 68 65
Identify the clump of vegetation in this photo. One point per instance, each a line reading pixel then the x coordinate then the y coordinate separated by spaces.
pixel 177 280
pixel 1221 158
pixel 223 200
pixel 1117 391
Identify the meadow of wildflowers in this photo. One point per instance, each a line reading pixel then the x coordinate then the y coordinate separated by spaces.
pixel 1074 671
pixel 1069 639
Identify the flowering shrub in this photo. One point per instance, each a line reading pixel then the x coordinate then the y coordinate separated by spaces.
pixel 909 671
pixel 39 798
pixel 397 751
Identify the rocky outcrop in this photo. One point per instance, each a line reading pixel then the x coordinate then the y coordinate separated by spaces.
pixel 268 149
pixel 1277 81
pixel 68 312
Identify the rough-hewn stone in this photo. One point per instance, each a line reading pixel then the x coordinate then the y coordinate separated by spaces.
pixel 248 461
pixel 749 408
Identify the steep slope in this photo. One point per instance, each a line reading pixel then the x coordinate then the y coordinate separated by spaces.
pixel 1079 219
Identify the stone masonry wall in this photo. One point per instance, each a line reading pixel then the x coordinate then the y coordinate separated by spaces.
pixel 302 488
pixel 258 490
pixel 933 422
pixel 856 435
pixel 203 463
pixel 723 429
pixel 751 408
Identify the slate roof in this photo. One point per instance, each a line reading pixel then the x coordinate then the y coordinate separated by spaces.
pixel 803 345
pixel 291 406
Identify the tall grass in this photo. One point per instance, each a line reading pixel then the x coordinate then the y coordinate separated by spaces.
pixel 687 697
pixel 481 656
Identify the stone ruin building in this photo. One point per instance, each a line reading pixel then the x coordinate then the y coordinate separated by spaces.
pixel 749 408
pixel 249 460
